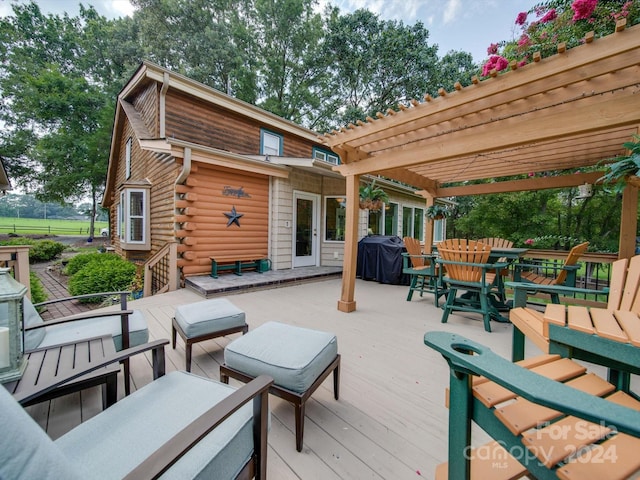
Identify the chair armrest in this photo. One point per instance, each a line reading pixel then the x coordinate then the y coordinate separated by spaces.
pixel 467 357
pixel 122 294
pixel 522 289
pixel 485 266
pixel 81 316
pixel 164 457
pixel 157 348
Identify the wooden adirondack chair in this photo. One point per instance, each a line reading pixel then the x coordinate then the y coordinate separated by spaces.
pixel 422 269
pixel 566 275
pixel 607 336
pixel 465 263
pixel 548 417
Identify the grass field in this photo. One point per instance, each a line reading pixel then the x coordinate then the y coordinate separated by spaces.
pixel 34 226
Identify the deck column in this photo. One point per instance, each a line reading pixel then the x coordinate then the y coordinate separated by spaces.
pixel 347 302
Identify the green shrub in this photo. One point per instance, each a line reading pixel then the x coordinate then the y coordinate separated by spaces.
pixel 37 290
pixel 79 261
pixel 40 251
pixel 101 276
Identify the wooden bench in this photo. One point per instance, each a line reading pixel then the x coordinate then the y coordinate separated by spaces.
pixel 606 336
pixel 238 263
pixel 548 417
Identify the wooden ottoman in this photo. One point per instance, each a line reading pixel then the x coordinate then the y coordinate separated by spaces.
pixel 298 359
pixel 205 320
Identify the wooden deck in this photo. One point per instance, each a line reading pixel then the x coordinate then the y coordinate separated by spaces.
pixel 390 421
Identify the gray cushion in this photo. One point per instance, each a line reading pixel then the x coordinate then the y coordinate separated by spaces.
pixel 294 356
pixel 208 316
pixel 112 443
pixel 26 452
pixel 97 327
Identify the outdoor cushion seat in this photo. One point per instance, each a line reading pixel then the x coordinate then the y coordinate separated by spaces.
pixel 293 356
pixel 114 442
pixel 199 321
pixel 298 359
pixel 81 329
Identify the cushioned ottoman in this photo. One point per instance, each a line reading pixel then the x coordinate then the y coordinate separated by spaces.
pixel 298 359
pixel 204 320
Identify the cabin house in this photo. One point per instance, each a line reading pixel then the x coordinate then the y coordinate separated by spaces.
pixel 219 177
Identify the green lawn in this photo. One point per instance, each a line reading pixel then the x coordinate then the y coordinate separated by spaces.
pixel 32 226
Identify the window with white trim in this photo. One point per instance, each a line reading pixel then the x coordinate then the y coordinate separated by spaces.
pixel 270 143
pixel 326 156
pixel 133 219
pixel 413 222
pixel 334 219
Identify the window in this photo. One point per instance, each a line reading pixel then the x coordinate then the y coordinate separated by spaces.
pixel 270 143
pixel 127 159
pixel 413 222
pixel 133 219
pixel 326 156
pixel 334 221
pixel 391 219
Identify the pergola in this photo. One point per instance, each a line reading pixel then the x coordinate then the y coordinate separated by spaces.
pixel 570 110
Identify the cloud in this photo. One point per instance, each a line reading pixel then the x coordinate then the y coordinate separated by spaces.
pixel 451 10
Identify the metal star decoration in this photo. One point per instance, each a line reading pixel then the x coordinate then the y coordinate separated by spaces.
pixel 233 216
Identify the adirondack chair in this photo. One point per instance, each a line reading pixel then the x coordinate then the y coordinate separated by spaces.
pixel 466 265
pixel 422 269
pixel 548 417
pixel 220 434
pixel 566 276
pixel 607 336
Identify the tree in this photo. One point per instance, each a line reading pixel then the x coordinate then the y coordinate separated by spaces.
pixel 377 64
pixel 58 93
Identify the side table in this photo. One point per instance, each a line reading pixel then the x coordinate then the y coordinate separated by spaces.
pixel 47 363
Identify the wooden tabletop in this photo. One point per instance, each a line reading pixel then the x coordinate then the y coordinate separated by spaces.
pixel 46 364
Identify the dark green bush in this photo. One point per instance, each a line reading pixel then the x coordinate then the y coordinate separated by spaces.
pixel 79 261
pixel 37 290
pixel 40 251
pixel 101 276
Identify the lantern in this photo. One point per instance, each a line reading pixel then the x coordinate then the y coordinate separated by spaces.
pixel 12 361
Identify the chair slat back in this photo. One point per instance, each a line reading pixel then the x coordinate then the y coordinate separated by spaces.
pixel 617 283
pixel 630 298
pixel 462 250
pixel 497 242
pixel 413 248
pixel 573 257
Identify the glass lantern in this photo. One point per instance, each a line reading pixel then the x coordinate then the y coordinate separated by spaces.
pixel 12 361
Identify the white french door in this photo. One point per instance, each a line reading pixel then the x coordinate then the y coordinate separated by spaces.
pixel 306 220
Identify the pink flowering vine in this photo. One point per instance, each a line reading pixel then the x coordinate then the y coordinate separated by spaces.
pixel 582 9
pixel 550 16
pixel 521 18
pixel 524 41
pixel 495 62
pixel 492 49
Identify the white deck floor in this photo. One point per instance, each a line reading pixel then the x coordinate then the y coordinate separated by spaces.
pixel 390 421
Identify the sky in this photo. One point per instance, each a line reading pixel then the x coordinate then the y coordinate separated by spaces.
pixel 468 25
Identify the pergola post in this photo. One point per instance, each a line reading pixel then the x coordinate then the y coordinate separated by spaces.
pixel 628 222
pixel 428 227
pixel 347 303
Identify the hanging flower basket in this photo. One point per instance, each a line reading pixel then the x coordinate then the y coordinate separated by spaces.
pixel 372 197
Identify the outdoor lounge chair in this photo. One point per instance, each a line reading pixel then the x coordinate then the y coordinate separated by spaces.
pixel 466 265
pixel 534 273
pixel 607 336
pixel 127 327
pixel 148 433
pixel 422 270
pixel 547 416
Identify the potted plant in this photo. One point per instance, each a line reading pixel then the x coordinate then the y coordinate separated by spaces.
pixel 372 197
pixel 436 211
pixel 624 169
